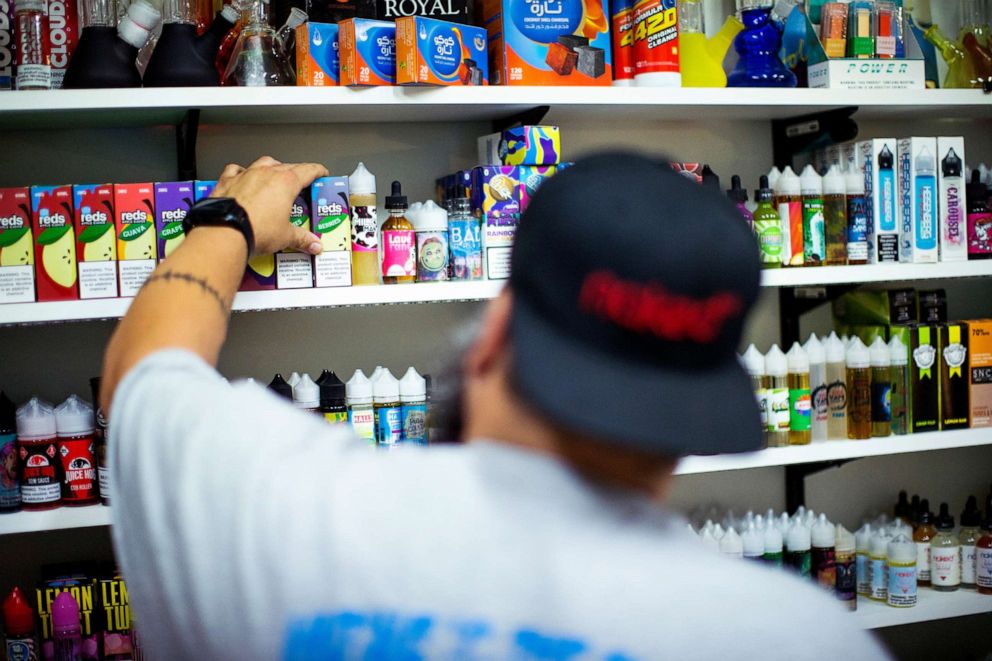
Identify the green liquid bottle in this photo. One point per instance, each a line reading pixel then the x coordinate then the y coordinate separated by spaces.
pixel 768 226
pixel 814 240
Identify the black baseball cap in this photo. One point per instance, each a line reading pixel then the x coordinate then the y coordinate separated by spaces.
pixel 630 289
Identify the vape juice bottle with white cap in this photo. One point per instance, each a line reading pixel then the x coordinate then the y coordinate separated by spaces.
pixel 881 389
pixel 10 487
pixel 800 405
pixel 361 414
pixel 845 586
pixel 835 216
pixel 40 464
pixel 899 395
pixel 413 397
pixel 836 387
pixel 902 572
pixel 77 451
pixel 945 554
pixel 776 368
pixel 388 410
pixel 858 391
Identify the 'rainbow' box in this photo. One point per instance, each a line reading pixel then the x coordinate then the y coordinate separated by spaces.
pixel 433 52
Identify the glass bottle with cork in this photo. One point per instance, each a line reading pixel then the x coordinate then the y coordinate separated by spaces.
pixel 968 538
pixel 922 534
pixel 858 391
pixel 399 248
pixel 945 554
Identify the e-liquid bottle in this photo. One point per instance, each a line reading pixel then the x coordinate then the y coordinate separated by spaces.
pixel 10 481
pixel 983 558
pixel 902 572
pixel 945 554
pixel 886 221
pixel 464 241
pixel 40 464
pixel 773 544
pixel 413 397
pixel 333 398
pixel 819 410
pixel 388 411
pixel 77 451
pixel 858 391
pixel 753 541
pixel 862 542
pixel 281 387
pixel 881 389
pixel 846 582
pixel 361 413
pixel 34 46
pixel 968 538
pixel 20 642
pixel 399 248
pixel 293 379
pixel 899 394
pixel 776 368
pixel 922 534
pixel 857 217
pixel 797 548
pixel 814 241
pixel 731 544
pixel 836 387
pixel 788 198
pixel 768 227
pixel 66 632
pixel 822 555
pixel 979 218
pixel 710 542
pixel 306 394
pixel 738 196
pixel 878 564
pixel 754 363
pixel 800 405
pixel 432 243
pixel 835 216
pixel 364 227
pixel 954 228
pixel 925 234
pixel 101 432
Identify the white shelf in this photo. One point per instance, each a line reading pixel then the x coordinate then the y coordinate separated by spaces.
pixel 930 605
pixel 836 450
pixel 240 105
pixel 868 273
pixel 57 519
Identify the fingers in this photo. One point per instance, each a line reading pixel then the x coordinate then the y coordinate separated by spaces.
pixel 231 170
pixel 265 161
pixel 306 242
pixel 307 172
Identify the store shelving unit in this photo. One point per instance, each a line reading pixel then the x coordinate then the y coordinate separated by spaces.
pixel 931 605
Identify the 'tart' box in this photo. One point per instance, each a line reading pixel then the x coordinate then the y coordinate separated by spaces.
pixel 433 52
pixel 980 371
pixel 920 202
pixel 173 200
pixel 955 405
pixel 317 61
pixel 521 145
pixel 55 243
pixel 16 246
pixel 367 51
pixel 925 378
pixel 294 270
pixel 134 212
pixel 96 240
pixel 332 223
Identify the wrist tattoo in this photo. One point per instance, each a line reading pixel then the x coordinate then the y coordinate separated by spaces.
pixel 202 283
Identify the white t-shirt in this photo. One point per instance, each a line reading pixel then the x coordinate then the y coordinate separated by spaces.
pixel 247 529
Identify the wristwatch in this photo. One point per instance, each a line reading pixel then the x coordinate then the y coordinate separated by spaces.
pixel 220 212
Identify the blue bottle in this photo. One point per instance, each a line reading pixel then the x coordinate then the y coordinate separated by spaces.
pixel 887 190
pixel 926 201
pixel 758 48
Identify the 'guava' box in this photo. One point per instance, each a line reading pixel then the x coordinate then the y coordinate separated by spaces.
pixel 317 61
pixel 332 223
pixel 433 52
pixel 173 200
pixel 96 241
pixel 55 243
pixel 16 246
pixel 548 42
pixel 294 270
pixel 980 368
pixel 367 51
pixel 521 145
pixel 134 213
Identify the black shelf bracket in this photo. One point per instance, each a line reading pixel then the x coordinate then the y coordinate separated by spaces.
pixel 795 480
pixel 807 132
pixel 529 117
pixel 186 131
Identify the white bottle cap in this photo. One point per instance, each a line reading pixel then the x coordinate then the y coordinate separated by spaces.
pixel 773 539
pixel 413 212
pixel 431 218
pixel 413 387
pixel 709 541
pixel 854 182
pixel 788 183
pixel 74 416
pixel 386 388
pixel 358 389
pixel 753 541
pixel 718 532
pixel 229 13
pixel 815 352
pixel 811 183
pixel 376 373
pixel 834 182
pixel 879 352
pixel 900 527
pixel 799 537
pixel 823 533
pixel 293 379
pixel 809 519
pixel 144 15
pixel 775 363
pixel 783 524
pixel 306 393
pixel 898 355
pixel 773 176
pixel 759 522
pixel 862 538
pixel 132 33
pixel 877 545
pixel 36 419
pixel 753 361
pixel 731 544
pixel 901 548
pixel 834 348
pixel 844 540
pixel 361 181
pixel 858 355
pixel 798 360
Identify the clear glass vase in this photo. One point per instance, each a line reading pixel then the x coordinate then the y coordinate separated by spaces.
pixel 259 58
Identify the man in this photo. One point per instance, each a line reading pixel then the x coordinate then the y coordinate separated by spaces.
pixel 249 530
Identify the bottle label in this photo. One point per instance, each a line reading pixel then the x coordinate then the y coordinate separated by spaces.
pixel 78 469
pixel 837 400
pixel 902 585
pixel 923 561
pixel 335 417
pixel 861 567
pixel 881 405
pixel 800 561
pixel 878 569
pixel 814 240
pixel 980 233
pixel 770 240
pixel 779 416
pixel 761 395
pixel 819 402
pixel 388 426
pixel 791 214
pixel 857 229
pixel 41 472
pixel 945 568
pixel 656 37
pixel 34 76
pixel 21 649
pixel 824 567
pixel 983 567
pixel 415 424
pixel 364 229
pixel 399 253
pixel 103 477
pixel 465 244
pixel 799 406
pixel 968 555
pixel 846 579
pixel 432 256
pixel 363 424
pixel 10 488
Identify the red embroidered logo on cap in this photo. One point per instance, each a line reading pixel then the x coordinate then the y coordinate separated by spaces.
pixel 650 308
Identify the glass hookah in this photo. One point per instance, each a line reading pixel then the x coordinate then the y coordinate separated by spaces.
pixel 259 58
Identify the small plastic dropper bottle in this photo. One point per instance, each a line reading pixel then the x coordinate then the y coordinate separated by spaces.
pixel 968 538
pixel 776 367
pixel 899 395
pixel 814 241
pixel 797 548
pixel 388 411
pixel 800 413
pixel 293 379
pixel 753 541
pixel 754 363
pixel 836 388
pixel 881 388
pixel 773 544
pixel 768 226
pixel 361 414
pixel 306 394
pixel 731 544
pixel 818 387
pixel 878 564
pixel 822 555
pixel 364 227
pixel 333 398
pixel 707 538
pixel 413 397
pixel 945 554
pixel 922 534
pixel 788 198
pixel 858 391
pixel 846 584
pixel 738 196
pixel 399 246
pixel 902 572
pixel 279 386
pixel 835 216
pixel 983 558
pixel 862 540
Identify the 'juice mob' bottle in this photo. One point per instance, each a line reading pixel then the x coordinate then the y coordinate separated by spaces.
pixel 41 474
pixel 968 538
pixel 788 198
pixel 797 548
pixel 945 554
pixel 799 396
pixel 881 389
pixel 835 216
pixel 823 555
pixel 413 397
pixel 776 368
pixel 360 410
pixel 858 391
pixel 922 534
pixel 899 395
pixel 364 227
pixel 754 363
pixel 817 386
pixel 333 397
pixel 844 562
pixel 768 226
pixel 836 387
pixel 399 248
pixel 857 217
pixel 814 242
pixel 862 541
pixel 388 410
pixel 902 576
pixel 74 424
pixel 878 564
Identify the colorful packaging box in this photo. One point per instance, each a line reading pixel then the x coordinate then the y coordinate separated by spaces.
pixel 433 52
pixel 260 273
pixel 202 188
pixel 955 404
pixel 521 145
pixel 114 619
pixel 16 246
pixel 55 243
pixel 96 240
pixel 548 42
pixel 173 200
pixel 317 61
pixel 7 54
pixel 82 587
pixel 878 160
pixel 925 378
pixel 531 178
pixel 63 30
pixel 496 196
pixel 294 270
pixel 980 371
pixel 953 206
pixel 459 11
pixel 332 223
pixel 134 213
pixel 920 207
pixel 368 52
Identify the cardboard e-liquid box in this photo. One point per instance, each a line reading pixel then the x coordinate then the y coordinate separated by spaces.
pixel 933 306
pixel 920 208
pixel 331 215
pixel 134 212
pixel 173 200
pixel 82 588
pixel 294 270
pixel 317 61
pixel 521 145
pixel 925 378
pixel 531 178
pixel 16 246
pixel 434 52
pixel 96 240
pixel 878 160
pixel 57 276
pixel 114 621
pixel 955 405
pixel 367 52
pixel 202 188
pixel 953 206
pixel 980 371
pixel 495 198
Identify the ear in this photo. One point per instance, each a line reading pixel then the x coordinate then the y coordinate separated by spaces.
pixel 491 345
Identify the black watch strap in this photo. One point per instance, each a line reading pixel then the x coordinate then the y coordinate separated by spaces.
pixel 220 212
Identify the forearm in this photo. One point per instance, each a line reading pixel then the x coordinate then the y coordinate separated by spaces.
pixel 184 304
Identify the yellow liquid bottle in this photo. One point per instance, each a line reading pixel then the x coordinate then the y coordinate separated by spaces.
pixel 701 59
